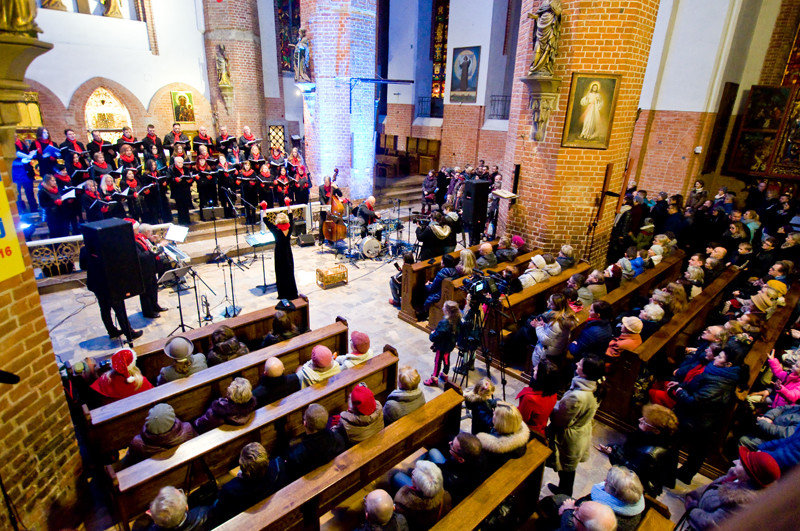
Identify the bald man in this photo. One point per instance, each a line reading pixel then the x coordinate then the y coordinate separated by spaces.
pixel 274 384
pixel 588 516
pixel 318 446
pixel 366 211
pixel 380 515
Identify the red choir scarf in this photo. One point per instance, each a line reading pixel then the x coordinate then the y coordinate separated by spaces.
pixel 19 145
pixel 276 155
pixel 102 165
pixel 61 177
pixel 294 161
pixel 132 183
pixel 99 144
pixel 41 144
pixel 128 158
pixel 110 188
pixel 247 173
pixel 180 170
pixel 248 138
pixel 91 194
pixel 152 137
pixel 77 166
pixel 283 226
pixel 53 190
pixel 75 146
pixel 204 138
pixel 142 240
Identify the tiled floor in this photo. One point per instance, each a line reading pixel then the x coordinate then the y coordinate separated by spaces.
pixel 77 332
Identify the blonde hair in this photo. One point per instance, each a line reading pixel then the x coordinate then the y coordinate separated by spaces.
pixel 504 242
pixel 484 388
pixel 168 508
pixel 624 485
pixel 281 218
pixel 254 461
pixel 568 251
pixel 507 419
pixel 452 313
pixel 408 378
pixel 240 391
pixel 467 261
pixel 679 300
pixel 135 373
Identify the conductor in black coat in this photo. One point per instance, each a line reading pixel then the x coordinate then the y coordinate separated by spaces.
pixel 284 260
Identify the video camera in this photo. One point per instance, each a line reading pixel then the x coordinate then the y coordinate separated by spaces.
pixel 482 287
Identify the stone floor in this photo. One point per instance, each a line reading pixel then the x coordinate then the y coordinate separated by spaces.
pixel 76 330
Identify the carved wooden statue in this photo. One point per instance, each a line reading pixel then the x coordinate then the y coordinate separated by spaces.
pixel 301 57
pixel 545 37
pixel 113 8
pixel 56 5
pixel 223 67
pixel 17 17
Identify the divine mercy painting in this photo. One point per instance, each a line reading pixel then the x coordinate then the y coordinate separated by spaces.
pixel 590 113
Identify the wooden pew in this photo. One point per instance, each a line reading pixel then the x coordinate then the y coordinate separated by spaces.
pixel 656 516
pixel 413 288
pixel 111 427
pixel 521 477
pixel 617 408
pixel 451 287
pixel 302 503
pixel 134 487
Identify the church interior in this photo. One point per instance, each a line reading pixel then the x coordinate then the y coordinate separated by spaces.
pixel 560 236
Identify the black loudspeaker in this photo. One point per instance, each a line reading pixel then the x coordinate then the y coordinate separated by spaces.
pixel 305 240
pixel 476 201
pixel 112 242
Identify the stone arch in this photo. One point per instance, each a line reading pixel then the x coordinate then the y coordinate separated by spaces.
pixel 81 95
pixel 55 116
pixel 160 109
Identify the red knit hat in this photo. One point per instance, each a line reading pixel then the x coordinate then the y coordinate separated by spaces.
pixel 360 342
pixel 121 360
pixel 362 399
pixel 761 466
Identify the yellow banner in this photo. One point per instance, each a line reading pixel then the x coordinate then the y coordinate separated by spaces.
pixel 11 263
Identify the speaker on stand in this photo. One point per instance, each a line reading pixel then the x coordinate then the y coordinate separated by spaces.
pixel 111 241
pixel 474 207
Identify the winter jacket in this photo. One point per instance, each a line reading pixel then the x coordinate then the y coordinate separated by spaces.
pixel 433 238
pixel 460 479
pixel 785 421
pixel 397 522
pixel 226 350
pixel 241 493
pixel 701 401
pixel 270 389
pixel 536 408
pixel 652 456
pixel 553 269
pixel 355 427
pixel 170 373
pixel 709 506
pixel 585 296
pixel 593 339
pixel 348 361
pixel 565 261
pixel 626 267
pixel 628 514
pixel 482 411
pixel 572 424
pixel 312 451
pixel 225 411
pixel 553 338
pixel 506 255
pixel 789 393
pixel 435 287
pixel 197 519
pixel 310 375
pixel 443 338
pixel 638 266
pixel 625 341
pixel 785 451
pixel 147 444
pixel 400 403
pixel 598 290
pixel 486 261
pixel 533 276
pixel 422 512
pixel 500 448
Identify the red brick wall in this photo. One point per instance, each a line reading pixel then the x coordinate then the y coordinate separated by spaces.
pixel 780 45
pixel 54 115
pixel 491 147
pixel 423 131
pixel 461 127
pixel 399 117
pixel 558 185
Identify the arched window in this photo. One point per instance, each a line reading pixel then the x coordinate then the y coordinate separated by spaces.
pixel 107 114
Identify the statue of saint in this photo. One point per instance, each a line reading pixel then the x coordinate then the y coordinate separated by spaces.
pixel 301 57
pixel 56 5
pixel 223 67
pixel 17 17
pixel 113 8
pixel 545 37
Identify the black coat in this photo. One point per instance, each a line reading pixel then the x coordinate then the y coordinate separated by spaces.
pixel 270 389
pixel 241 493
pixel 313 451
pixel 654 458
pixel 593 339
pixel 284 260
pixel 702 400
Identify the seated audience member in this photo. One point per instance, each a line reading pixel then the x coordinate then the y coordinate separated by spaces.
pixel 623 492
pixel 317 446
pixel 680 301
pixel 180 349
pixel 487 257
pixel 625 264
pixel 712 269
pixel 629 338
pixel 170 512
pixel 433 288
pixel 162 430
pixel 566 257
pixel 571 294
pixel 480 403
pixel 693 281
pixel 319 368
pixel 225 346
pixel 743 258
pixel 652 317
pixel 537 401
pixel 786 386
pixel 596 283
pixel 282 329
pixel 275 384
pixel 396 282
pixel 380 514
pixel 656 254
pixel 425 502
pixel 363 418
pixel 123 380
pixel 663 298
pixel 710 505
pixel 535 273
pixel 613 276
pixel 596 334
pixel 507 439
pixel 466 263
pixel 644 239
pixel 259 476
pixel 235 409
pixel 406 398
pixel 588 516
pixel 551 265
pixel 651 451
pixel 785 451
pixel 777 423
pixel 638 265
pixel 585 296
pixel 361 351
pixel 434 238
pixel 505 252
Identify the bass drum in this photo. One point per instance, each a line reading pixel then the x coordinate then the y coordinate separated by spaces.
pixel 370 247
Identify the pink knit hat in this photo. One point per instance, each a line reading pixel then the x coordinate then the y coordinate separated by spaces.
pixel 360 342
pixel 121 360
pixel 321 356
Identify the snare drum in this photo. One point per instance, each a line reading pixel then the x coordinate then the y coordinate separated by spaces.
pixel 373 228
pixel 392 225
pixel 370 247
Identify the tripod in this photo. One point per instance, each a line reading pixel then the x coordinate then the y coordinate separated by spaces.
pixel 182 326
pixel 217 253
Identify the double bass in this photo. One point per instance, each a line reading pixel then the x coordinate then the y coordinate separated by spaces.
pixel 334 228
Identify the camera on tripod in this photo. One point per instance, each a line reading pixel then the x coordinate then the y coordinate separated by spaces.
pixel 482 288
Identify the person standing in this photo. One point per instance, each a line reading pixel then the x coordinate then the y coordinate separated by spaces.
pixel 284 260
pixel 175 136
pixel 148 259
pixel 202 139
pixel 50 201
pixel 98 145
pixel 326 191
pixel 47 161
pixel 180 187
pixel 246 142
pixel 152 140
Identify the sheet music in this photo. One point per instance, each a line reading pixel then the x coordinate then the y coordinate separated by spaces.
pixel 176 233
pixel 68 195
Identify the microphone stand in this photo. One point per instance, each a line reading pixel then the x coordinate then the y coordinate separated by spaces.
pixel 195 278
pixel 232 310
pixel 235 228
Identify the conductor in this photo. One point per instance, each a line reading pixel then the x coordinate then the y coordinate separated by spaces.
pixel 284 260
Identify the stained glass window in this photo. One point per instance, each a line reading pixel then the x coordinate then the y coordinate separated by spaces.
pixel 287 25
pixel 277 137
pixel 441 15
pixel 107 114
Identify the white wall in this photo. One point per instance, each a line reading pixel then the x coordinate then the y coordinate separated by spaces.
pixel 757 51
pixel 403 28
pixel 87 46
pixel 470 25
pixel 269 49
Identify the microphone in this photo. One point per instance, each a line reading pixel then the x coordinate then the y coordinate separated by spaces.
pixel 8 377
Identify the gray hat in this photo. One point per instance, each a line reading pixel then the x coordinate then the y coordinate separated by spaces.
pixel 179 348
pixel 160 419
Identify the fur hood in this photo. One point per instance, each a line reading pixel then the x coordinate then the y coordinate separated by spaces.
pixel 503 444
pixel 736 493
pixel 473 397
pixel 440 231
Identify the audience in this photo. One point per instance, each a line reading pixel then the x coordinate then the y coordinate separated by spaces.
pixel 466 263
pixel 363 418
pixel 487 257
pixel 777 423
pixel 628 339
pixel 508 437
pixel 319 368
pixel 552 330
pixel 275 383
pixel 588 516
pixel 380 514
pixel 480 403
pixel 170 512
pixel 361 351
pixel 623 492
pixel 406 398
pixel 433 288
pixel 536 402
pixel 162 430
pixel 180 349
pixel 425 502
pixel 443 341
pixel 225 346
pixel 282 329
pixel 566 257
pixel 123 380
pixel 236 408
pixel 317 446
pixel 596 334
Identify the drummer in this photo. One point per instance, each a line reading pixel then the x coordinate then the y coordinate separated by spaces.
pixel 366 211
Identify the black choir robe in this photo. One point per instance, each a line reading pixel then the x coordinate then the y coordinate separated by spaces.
pixel 284 260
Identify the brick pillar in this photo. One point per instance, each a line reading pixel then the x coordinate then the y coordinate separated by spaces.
pixel 340 123
pixel 39 461
pixel 235 25
pixel 558 186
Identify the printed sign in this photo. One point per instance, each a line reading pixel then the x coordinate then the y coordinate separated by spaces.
pixel 11 263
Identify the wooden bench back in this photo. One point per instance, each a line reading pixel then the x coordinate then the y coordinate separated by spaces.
pixel 300 504
pixel 111 427
pixel 521 476
pixel 250 329
pixel 134 487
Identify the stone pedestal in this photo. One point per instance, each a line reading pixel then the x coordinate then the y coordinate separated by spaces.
pixel 543 100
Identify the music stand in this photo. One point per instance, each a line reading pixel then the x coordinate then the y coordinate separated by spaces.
pixel 262 240
pixel 177 275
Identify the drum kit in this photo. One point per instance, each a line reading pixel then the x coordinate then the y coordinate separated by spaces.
pixel 373 241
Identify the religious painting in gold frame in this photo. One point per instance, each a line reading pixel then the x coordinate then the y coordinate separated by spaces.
pixel 590 112
pixel 182 106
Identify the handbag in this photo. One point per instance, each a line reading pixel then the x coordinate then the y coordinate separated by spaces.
pixel 205 494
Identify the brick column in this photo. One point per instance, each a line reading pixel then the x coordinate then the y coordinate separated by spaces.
pixel 39 461
pixel 235 25
pixel 340 123
pixel 558 186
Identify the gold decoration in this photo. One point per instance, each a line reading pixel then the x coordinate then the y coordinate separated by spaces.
pixel 545 37
pixel 56 5
pixel 17 17
pixel 113 8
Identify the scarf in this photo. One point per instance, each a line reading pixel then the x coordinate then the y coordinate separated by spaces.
pixel 180 170
pixel 110 188
pixel 75 146
pixel 248 138
pixel 128 158
pixel 41 144
pixel 142 240
pixel 152 137
pixel 283 226
pixel 53 190
pixel 20 146
pixel 102 165
pixel 623 509
pixel 91 194
pixel 99 144
pixel 132 183
pixel 61 177
pixel 247 173
pixel 78 166
pixel 276 155
pixel 203 138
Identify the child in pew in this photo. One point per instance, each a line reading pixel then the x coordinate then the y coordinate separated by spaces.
pixel 425 502
pixel 566 257
pixel 236 409
pixel 637 263
pixel 361 351
pixel 275 384
pixel 480 403
pixel 170 512
pixel 625 263
pixel 282 329
pixel 225 346
pixel 186 363
pixel 406 398
pixel 380 514
pixel 123 380
pixel 319 368
pixel 162 430
pixel 363 418
pixel 585 296
pixel 316 447
pixel 433 288
pixel 259 477
pixel 443 341
pixel 785 388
